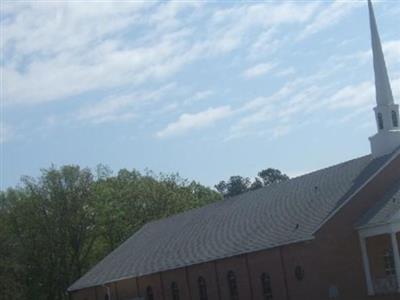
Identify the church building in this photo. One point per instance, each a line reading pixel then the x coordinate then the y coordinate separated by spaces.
pixel 330 234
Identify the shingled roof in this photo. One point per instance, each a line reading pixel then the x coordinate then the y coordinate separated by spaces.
pixel 276 215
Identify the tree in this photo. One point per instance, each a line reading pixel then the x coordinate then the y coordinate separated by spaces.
pixel 270 176
pixel 237 185
pixel 222 187
pixel 51 224
pixel 257 183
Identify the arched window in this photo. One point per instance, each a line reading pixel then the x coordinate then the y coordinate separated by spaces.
pixel 299 273
pixel 149 293
pixel 174 291
pixel 388 260
pixel 266 286
pixel 380 121
pixel 106 297
pixel 202 288
pixel 233 289
pixel 395 120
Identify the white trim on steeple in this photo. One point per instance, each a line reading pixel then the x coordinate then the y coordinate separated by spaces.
pixel 386 112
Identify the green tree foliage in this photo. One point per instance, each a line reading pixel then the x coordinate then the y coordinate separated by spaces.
pixel 55 227
pixel 237 185
pixel 270 176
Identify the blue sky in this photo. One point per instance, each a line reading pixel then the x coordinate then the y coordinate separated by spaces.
pixel 205 89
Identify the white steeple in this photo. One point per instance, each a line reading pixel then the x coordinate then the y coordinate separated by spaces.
pixel 386 112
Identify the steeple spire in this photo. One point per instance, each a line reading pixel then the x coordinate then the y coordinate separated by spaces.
pixel 387 139
pixel 384 94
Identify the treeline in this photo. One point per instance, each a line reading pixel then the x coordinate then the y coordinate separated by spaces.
pixel 54 228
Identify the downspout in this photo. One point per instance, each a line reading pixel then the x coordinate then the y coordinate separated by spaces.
pixel 284 274
pixel 108 291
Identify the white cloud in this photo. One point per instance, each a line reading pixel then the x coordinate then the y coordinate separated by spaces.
pixel 329 17
pixel 286 72
pixel 266 43
pixel 61 50
pixel 64 76
pixel 392 52
pixel 120 107
pixel 352 96
pixel 232 25
pixel 188 122
pixel 297 103
pixel 199 96
pixel 281 130
pixel 55 51
pixel 258 70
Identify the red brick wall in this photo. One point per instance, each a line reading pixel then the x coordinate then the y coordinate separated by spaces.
pixel 179 277
pixel 154 281
pixel 238 265
pixel 85 294
pixel 268 261
pixel 126 289
pixel 208 272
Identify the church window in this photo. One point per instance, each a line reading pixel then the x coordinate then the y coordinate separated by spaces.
pixel 299 273
pixel 149 293
pixel 233 289
pixel 266 286
pixel 333 292
pixel 388 260
pixel 395 119
pixel 202 288
pixel 380 121
pixel 174 291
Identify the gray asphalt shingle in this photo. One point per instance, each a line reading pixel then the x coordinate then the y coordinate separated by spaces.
pixel 275 215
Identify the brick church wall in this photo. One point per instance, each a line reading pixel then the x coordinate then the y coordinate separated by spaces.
pixel 85 294
pixel 238 265
pixel 154 281
pixel 127 289
pixel 208 272
pixel 270 262
pixel 178 276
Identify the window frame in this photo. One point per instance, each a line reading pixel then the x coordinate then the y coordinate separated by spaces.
pixel 388 262
pixel 266 286
pixel 380 121
pixel 232 284
pixel 175 291
pixel 395 119
pixel 202 286
pixel 149 293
